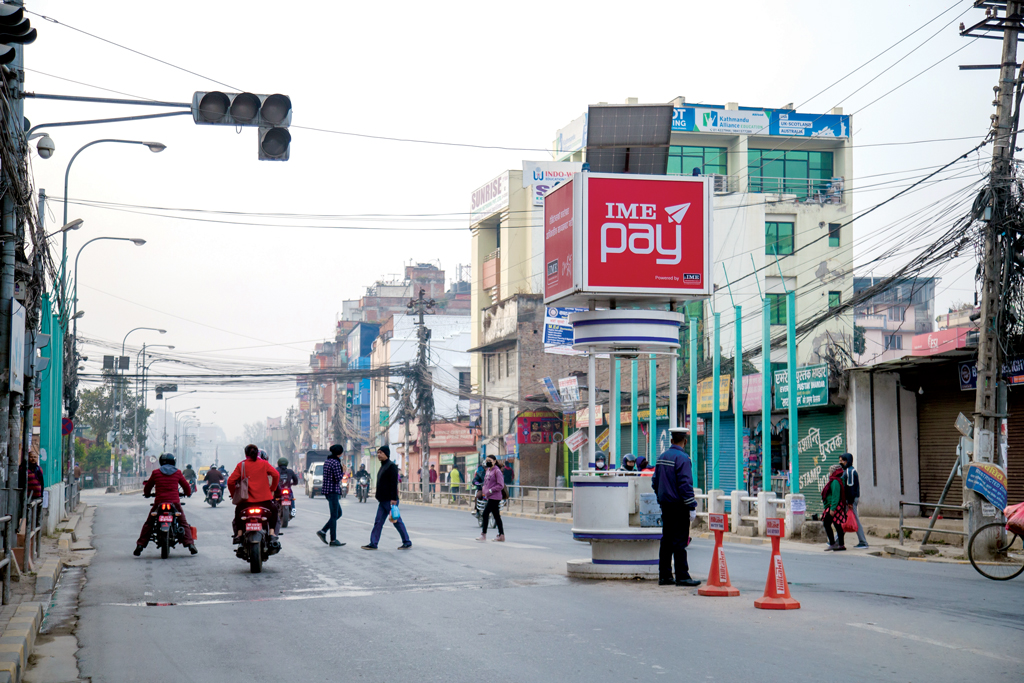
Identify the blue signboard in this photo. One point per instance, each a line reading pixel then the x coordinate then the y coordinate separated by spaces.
pixel 781 122
pixel 989 480
pixel 558 331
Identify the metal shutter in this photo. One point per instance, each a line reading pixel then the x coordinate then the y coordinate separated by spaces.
pixel 937 409
pixel 1015 452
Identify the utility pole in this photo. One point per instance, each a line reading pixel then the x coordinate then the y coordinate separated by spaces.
pixel 424 390
pixel 988 413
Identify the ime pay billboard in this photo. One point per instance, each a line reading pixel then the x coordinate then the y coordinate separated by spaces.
pixel 628 238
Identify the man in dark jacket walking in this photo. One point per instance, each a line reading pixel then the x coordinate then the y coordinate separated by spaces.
pixel 673 485
pixel 851 479
pixel 387 495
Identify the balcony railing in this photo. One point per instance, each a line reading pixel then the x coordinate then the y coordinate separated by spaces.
pixel 806 189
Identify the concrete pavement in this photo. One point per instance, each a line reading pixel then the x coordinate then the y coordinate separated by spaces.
pixel 452 609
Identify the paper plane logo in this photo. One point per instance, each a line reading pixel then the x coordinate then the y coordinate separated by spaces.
pixel 676 213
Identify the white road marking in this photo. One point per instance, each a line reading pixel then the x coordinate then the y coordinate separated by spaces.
pixel 938 643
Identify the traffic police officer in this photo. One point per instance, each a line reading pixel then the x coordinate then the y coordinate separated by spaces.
pixel 673 485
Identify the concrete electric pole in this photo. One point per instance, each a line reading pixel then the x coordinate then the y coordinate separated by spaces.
pixel 424 390
pixel 989 414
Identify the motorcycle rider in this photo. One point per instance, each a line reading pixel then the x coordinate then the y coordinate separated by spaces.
pixel 190 476
pixel 628 463
pixel 213 476
pixel 166 481
pixel 262 480
pixel 362 478
pixel 287 478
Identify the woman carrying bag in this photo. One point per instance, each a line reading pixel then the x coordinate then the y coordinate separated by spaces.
pixel 253 483
pixel 833 497
pixel 493 492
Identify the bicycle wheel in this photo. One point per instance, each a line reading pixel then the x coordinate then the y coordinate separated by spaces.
pixel 995 553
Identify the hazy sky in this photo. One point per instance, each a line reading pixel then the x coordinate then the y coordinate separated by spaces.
pixel 488 74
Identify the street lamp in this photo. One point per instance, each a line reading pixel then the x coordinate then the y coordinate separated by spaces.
pixel 140 376
pixel 153 147
pixel 170 398
pixel 189 421
pixel 176 414
pixel 120 391
pixel 73 225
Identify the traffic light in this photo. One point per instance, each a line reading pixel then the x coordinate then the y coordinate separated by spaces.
pixel 271 114
pixel 15 29
pixel 161 388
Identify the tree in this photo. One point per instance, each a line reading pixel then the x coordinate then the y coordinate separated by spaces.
pixel 255 433
pixel 99 410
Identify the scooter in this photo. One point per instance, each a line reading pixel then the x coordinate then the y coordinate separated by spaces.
pixel 362 490
pixel 344 489
pixel 286 506
pixel 214 494
pixel 167 532
pixel 255 547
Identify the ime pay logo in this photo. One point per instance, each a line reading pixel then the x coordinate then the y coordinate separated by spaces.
pixel 642 237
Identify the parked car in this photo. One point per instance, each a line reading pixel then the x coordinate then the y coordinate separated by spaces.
pixel 314 479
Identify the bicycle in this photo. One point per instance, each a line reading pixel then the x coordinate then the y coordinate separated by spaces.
pixel 996 551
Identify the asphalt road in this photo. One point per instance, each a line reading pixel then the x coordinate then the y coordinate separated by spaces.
pixel 454 610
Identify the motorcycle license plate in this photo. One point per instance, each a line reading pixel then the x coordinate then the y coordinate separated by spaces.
pixel 253 526
pixel 286 500
pixel 165 518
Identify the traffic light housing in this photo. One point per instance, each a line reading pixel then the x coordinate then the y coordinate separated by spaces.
pixel 15 29
pixel 271 114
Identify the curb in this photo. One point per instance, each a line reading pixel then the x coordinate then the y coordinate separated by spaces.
pixel 46 577
pixel 130 493
pixel 18 639
pixel 505 513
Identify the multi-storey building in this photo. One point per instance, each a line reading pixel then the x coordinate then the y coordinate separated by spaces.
pixel 891 319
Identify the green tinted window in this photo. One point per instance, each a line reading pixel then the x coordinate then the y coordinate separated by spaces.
pixel 708 160
pixel 778 238
pixel 789 171
pixel 778 309
pixel 835 299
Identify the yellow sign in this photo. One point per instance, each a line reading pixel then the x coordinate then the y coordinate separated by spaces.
pixel 602 441
pixel 583 417
pixel 626 416
pixel 705 389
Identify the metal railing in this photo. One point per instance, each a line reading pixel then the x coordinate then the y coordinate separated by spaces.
pixel 537 500
pixel 72 496
pixel 33 535
pixel 820 191
pixel 5 563
pixel 930 529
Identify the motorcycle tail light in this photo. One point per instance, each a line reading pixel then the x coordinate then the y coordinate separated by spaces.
pixel 254 511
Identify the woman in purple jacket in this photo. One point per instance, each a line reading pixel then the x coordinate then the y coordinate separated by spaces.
pixel 494 482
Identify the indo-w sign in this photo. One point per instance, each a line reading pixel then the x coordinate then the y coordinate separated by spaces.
pixel 622 237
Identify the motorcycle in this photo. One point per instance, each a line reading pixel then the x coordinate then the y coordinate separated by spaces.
pixel 286 506
pixel 167 532
pixel 362 490
pixel 255 547
pixel 214 494
pixel 344 489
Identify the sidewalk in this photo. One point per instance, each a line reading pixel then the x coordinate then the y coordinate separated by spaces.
pixel 32 594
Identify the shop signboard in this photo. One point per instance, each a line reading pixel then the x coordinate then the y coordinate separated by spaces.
pixel 628 238
pixel 989 480
pixel 940 341
pixel 811 387
pixel 577 440
pixel 558 331
pixel 781 122
pixel 705 390
pixel 752 388
pixel 510 444
pixel 1013 373
pixel 452 435
pixel 644 415
pixel 489 198
pixel 540 177
pixel 603 439
pixel 536 427
pixel 583 417
pixel 820 441
pixel 569 390
pixel 551 391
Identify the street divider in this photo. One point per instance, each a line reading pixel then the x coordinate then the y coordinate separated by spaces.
pixel 718 584
pixel 776 589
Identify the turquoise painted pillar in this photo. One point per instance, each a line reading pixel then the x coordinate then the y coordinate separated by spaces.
pixel 694 439
pixel 715 409
pixel 652 441
pixel 615 457
pixel 634 422
pixel 794 456
pixel 737 401
pixel 766 396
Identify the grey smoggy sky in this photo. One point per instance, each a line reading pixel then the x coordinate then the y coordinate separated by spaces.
pixel 259 291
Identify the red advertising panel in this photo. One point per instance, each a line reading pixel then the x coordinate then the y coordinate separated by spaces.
pixel 645 234
pixel 559 229
pixel 940 341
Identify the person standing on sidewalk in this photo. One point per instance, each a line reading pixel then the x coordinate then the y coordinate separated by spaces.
pixel 30 477
pixel 833 497
pixel 851 479
pixel 387 497
pixel 494 482
pixel 509 473
pixel 673 485
pixel 331 488
pixel 433 482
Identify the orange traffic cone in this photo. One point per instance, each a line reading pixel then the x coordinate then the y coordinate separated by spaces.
pixel 718 576
pixel 776 589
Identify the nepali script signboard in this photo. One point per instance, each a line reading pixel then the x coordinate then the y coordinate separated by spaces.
pixel 811 387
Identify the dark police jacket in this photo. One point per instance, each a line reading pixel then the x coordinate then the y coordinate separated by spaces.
pixel 673 478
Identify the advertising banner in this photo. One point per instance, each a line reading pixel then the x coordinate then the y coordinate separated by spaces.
pixel 577 440
pixel 569 390
pixel 705 391
pixel 558 331
pixel 782 122
pixel 536 427
pixel 811 387
pixel 627 238
pixel 489 198
pixel 940 341
pixel 551 392
pixel 17 349
pixel 752 388
pixel 1013 373
pixel 543 176
pixel 583 418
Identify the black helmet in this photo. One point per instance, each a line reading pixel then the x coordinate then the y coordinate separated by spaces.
pixel 167 459
pixel 188 467
pixel 282 462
